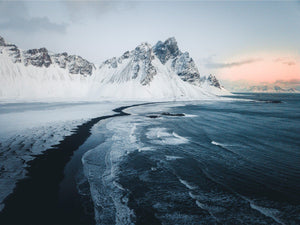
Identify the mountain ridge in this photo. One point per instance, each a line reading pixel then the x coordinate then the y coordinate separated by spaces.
pixel 270 89
pixel 151 72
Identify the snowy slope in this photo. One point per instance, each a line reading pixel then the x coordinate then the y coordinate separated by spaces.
pixel 161 72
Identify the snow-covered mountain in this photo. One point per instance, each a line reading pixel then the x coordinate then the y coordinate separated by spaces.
pixel 158 72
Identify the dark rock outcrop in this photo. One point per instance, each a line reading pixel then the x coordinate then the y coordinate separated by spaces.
pixel 214 81
pixel 166 50
pixel 182 64
pixel 42 58
pixel 37 57
pixel 2 41
pixel 75 64
pixel 14 52
pixel 139 65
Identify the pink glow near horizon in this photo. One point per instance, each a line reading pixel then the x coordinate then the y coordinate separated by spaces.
pixel 268 68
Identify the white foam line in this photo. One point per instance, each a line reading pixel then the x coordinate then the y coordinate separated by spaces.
pixel 192 195
pixel 131 136
pixel 119 186
pixel 171 157
pixel 189 186
pixel 180 137
pixel 252 205
pixel 145 149
pixel 266 211
pixel 204 207
pixel 190 115
pixel 161 136
pixel 216 143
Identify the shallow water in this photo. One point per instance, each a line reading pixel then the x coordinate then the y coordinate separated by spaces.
pixel 225 162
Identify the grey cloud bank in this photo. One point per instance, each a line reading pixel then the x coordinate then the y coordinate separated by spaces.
pixel 15 16
pixel 32 25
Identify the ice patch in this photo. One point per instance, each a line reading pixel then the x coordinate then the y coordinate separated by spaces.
pixel 161 136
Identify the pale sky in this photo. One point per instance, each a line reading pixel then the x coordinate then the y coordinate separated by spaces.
pixel 236 40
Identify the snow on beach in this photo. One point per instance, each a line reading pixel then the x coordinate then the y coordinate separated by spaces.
pixel 28 129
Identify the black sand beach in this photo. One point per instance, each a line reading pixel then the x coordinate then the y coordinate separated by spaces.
pixel 36 199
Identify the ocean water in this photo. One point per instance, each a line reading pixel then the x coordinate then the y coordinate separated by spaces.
pixel 224 162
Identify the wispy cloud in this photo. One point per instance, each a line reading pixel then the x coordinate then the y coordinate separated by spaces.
pixel 231 64
pixel 286 61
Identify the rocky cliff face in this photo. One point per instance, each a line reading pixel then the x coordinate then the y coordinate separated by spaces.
pixel 2 41
pixel 140 64
pixel 37 57
pixel 11 49
pixel 75 64
pixel 166 50
pixel 213 81
pixel 181 63
pixel 42 58
pixel 132 65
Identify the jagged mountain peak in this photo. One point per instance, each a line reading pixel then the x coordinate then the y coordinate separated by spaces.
pixel 166 50
pixel 172 46
pixel 214 81
pixel 41 57
pixel 181 62
pixel 134 65
pixel 138 64
pixel 37 57
pixel 144 46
